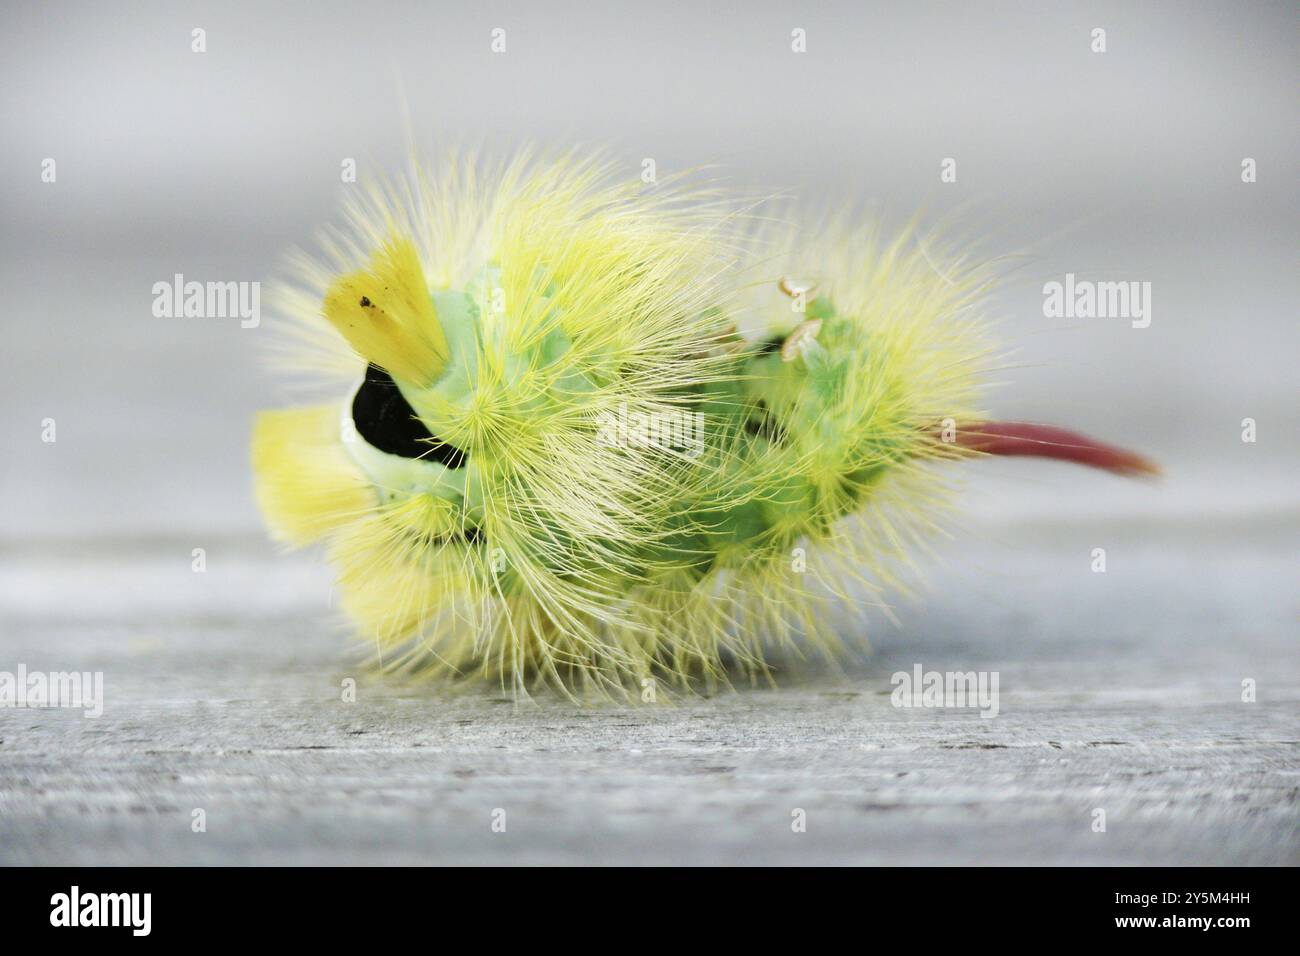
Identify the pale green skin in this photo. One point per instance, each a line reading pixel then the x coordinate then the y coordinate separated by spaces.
pixel 757 504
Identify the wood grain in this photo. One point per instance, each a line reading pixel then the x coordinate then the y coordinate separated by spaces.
pixel 1119 691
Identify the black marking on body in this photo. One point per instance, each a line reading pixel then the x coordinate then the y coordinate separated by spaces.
pixel 773 344
pixel 764 424
pixel 386 420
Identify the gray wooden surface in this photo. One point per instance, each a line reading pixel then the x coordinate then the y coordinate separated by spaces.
pixel 1119 691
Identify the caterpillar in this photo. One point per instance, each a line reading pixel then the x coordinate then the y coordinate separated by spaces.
pixel 598 435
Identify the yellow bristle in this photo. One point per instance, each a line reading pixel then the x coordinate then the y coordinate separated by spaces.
pixel 386 314
pixel 306 484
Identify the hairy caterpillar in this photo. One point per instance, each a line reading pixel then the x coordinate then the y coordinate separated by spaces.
pixel 559 460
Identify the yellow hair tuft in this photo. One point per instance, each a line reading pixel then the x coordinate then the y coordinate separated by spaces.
pixel 386 315
pixel 307 486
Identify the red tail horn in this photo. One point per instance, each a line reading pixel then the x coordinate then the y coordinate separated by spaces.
pixel 1047 441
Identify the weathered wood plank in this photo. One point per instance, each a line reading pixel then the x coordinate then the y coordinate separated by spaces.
pixel 1118 691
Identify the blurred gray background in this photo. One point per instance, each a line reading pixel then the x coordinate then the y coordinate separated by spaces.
pixel 1122 165
pixel 1117 166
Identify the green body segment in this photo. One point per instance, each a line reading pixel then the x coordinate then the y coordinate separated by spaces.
pixel 792 449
